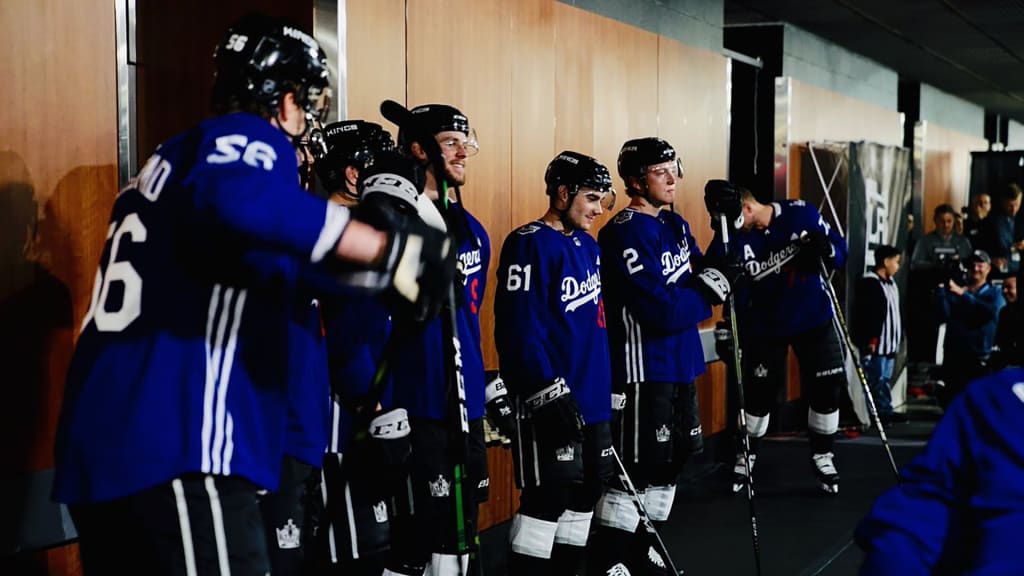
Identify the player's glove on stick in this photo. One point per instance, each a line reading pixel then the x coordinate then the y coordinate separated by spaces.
pixel 556 417
pixel 721 197
pixel 723 341
pixel 498 407
pixel 814 248
pixel 717 279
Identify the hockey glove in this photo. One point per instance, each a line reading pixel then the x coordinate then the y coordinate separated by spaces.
pixel 379 464
pixel 419 268
pixel 814 248
pixel 723 342
pixel 718 279
pixel 498 407
pixel 721 197
pixel 555 415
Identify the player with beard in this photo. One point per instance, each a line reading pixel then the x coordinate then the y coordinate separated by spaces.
pixel 424 528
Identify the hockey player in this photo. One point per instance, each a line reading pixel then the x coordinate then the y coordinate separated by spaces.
pixel 553 347
pixel 175 402
pixel 960 505
pixel 354 533
pixel 782 246
pixel 656 294
pixel 426 527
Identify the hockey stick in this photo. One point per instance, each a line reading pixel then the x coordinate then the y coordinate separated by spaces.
pixel 737 358
pixel 641 509
pixel 848 341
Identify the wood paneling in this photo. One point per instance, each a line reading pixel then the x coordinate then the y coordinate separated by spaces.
pixel 376 57
pixel 947 168
pixel 58 178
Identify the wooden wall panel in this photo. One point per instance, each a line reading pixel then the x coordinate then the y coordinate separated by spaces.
pixel 58 179
pixel 533 110
pixel 471 70
pixel 947 168
pixel 376 57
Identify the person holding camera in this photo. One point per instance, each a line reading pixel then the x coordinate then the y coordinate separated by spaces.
pixel 971 313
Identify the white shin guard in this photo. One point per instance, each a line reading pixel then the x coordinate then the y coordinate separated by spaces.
pixel 533 536
pixel 616 510
pixel 448 565
pixel 824 424
pixel 659 502
pixel 573 528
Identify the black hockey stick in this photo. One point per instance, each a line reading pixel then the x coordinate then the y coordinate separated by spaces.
pixel 455 386
pixel 641 509
pixel 848 341
pixel 737 358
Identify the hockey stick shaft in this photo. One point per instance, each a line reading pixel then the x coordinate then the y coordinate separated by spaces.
pixel 848 341
pixel 737 359
pixel 641 509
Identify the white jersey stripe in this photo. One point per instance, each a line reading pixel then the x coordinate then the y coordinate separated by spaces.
pixel 225 380
pixel 216 362
pixel 218 527
pixel 207 426
pixel 185 526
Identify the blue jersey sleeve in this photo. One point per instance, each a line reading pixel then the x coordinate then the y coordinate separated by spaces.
pixel 246 188
pixel 521 300
pixel 655 280
pixel 959 506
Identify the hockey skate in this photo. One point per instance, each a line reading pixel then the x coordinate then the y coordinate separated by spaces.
pixel 825 470
pixel 739 472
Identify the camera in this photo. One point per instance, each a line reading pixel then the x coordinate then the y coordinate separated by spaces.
pixel 950 267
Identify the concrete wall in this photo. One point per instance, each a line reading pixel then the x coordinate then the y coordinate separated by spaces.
pixel 816 61
pixel 694 22
pixel 951 112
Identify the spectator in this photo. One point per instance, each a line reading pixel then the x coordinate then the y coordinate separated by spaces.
pixel 980 207
pixel 1009 346
pixel 941 244
pixel 971 313
pixel 1001 235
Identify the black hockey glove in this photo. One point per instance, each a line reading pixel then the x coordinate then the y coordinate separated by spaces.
pixel 723 342
pixel 814 248
pixel 498 407
pixel 555 415
pixel 378 464
pixel 419 268
pixel 722 198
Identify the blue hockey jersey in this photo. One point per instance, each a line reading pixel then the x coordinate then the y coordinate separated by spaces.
pixel 181 364
pixel 961 505
pixel 309 393
pixel 357 330
pixel 419 379
pixel 652 311
pixel 549 317
pixel 782 299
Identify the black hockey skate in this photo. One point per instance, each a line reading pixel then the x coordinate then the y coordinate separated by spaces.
pixel 825 470
pixel 739 472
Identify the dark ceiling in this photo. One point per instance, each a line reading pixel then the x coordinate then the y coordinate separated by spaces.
pixel 973 49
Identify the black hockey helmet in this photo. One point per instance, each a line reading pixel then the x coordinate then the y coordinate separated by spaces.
pixel 437 118
pixel 575 171
pixel 638 154
pixel 260 59
pixel 350 143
